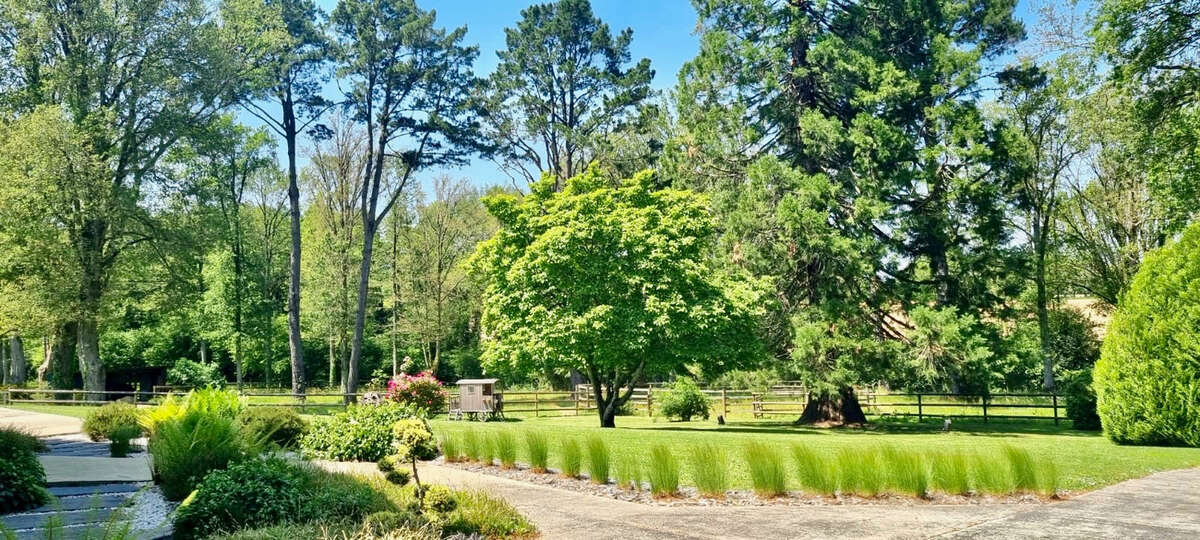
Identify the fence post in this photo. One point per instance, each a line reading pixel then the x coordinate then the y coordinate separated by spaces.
pixel 724 404
pixel 576 394
pixel 536 412
pixel 985 415
pixel 755 405
pixel 920 408
pixel 1055 398
pixel 649 401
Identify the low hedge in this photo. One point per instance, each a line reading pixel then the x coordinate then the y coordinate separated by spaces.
pixel 360 433
pixel 22 479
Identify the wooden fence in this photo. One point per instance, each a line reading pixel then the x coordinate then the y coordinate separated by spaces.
pixel 777 402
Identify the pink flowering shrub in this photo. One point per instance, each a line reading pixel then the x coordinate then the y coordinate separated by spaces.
pixel 422 391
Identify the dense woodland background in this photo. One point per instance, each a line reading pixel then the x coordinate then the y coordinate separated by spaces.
pixel 927 194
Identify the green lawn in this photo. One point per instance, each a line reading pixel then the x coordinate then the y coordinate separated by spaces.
pixel 78 411
pixel 1084 460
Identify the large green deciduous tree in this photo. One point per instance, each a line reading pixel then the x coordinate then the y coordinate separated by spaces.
pixel 563 84
pixel 613 282
pixel 409 85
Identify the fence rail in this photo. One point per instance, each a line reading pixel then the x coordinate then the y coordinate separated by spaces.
pixel 779 401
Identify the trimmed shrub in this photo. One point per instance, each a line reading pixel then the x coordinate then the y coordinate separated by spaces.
pixel 766 470
pixel 22 479
pixel 1081 400
pixel 662 470
pixel 192 374
pixel 572 458
pixel 708 470
pixel 121 440
pixel 684 401
pixel 421 391
pixel 104 419
pixel 279 425
pixel 538 450
pixel 599 460
pixel 1145 381
pixel 360 433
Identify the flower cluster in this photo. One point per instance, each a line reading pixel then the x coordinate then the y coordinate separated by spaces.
pixel 422 391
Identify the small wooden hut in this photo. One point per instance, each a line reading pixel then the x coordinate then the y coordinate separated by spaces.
pixel 478 398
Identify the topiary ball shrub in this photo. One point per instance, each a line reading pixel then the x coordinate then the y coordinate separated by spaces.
pixel 1147 380
pixel 360 433
pixel 22 479
pixel 278 425
pixel 685 400
pixel 102 421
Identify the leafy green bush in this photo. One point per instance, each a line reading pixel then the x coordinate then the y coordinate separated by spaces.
pixel 187 447
pixel 709 471
pixel 1145 380
pixel 1081 399
pixel 477 513
pixel 766 470
pixel 121 440
pixel 13 439
pixel 279 425
pixel 685 400
pixel 662 471
pixel 266 492
pixel 421 391
pixel 192 374
pixel 360 433
pixel 22 479
pixel 104 419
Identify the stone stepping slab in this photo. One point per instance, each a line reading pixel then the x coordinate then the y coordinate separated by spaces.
pixel 102 489
pixel 78 448
pixel 74 511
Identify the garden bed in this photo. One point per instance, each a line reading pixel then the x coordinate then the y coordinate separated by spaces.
pixel 690 496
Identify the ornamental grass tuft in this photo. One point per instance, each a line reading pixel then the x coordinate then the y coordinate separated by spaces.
pixel 813 473
pixel 505 446
pixel 766 470
pixel 599 460
pixel 907 472
pixel 572 458
pixel 538 450
pixel 662 470
pixel 709 471
pixel 627 472
pixel 950 473
pixel 470 445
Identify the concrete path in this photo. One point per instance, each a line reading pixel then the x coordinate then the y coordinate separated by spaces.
pixel 1165 505
pixel 40 424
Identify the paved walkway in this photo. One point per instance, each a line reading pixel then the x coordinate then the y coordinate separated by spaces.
pixel 40 424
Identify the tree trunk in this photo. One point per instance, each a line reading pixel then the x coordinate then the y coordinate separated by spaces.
pixel 332 364
pixel 835 410
pixel 4 371
pixel 295 346
pixel 61 359
pixel 360 316
pixel 203 351
pixel 1043 313
pixel 17 364
pixel 87 348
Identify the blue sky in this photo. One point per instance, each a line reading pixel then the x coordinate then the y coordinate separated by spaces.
pixel 663 31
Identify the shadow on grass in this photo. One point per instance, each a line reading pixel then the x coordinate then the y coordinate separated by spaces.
pixel 997 428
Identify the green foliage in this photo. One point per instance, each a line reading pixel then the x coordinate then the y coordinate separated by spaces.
pixel 22 479
pixel 662 471
pixel 413 439
pixel 272 491
pixel 1080 399
pixel 812 472
pixel 537 447
pixel 471 445
pixel 1145 380
pixel 1021 469
pixel 627 471
pixel 451 448
pixel 767 473
pixel 571 458
pixel 505 444
pixel 599 460
pixel 399 477
pixel 477 512
pixel 709 471
pixel 192 374
pixel 16 439
pixel 908 473
pixel 360 433
pixel 179 465
pixel 120 439
pixel 279 425
pixel 599 245
pixel 102 420
pixel 950 473
pixel 438 500
pixel 685 400
pixel 390 463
